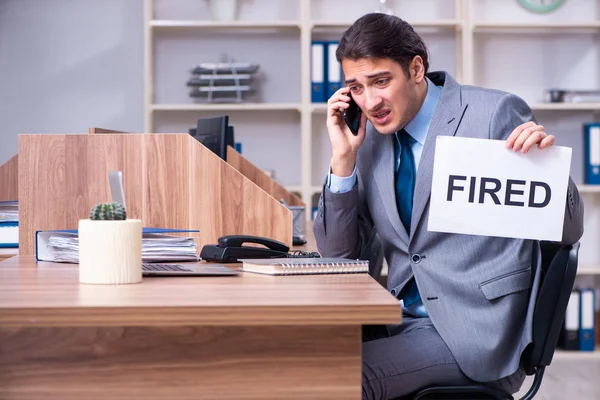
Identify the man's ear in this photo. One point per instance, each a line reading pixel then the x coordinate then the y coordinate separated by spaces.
pixel 417 69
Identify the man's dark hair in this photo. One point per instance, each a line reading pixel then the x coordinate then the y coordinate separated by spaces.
pixel 378 35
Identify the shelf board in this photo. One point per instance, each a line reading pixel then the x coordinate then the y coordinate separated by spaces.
pixel 588 269
pixel 298 188
pixel 318 107
pixel 592 106
pixel 588 188
pixel 183 24
pixel 293 188
pixel 228 107
pixel 508 26
pixel 560 354
pixel 443 23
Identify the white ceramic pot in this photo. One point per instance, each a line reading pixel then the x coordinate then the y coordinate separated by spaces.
pixel 110 252
pixel 223 10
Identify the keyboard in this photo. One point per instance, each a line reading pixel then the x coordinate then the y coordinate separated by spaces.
pixel 149 267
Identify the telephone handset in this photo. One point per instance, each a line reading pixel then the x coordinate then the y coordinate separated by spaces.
pixel 230 249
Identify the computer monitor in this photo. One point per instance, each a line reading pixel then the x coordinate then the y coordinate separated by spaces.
pixel 230 136
pixel 213 133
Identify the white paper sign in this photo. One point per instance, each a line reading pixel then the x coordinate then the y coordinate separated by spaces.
pixel 480 187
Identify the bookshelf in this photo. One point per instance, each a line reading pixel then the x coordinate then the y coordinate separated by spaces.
pixel 460 23
pixel 491 43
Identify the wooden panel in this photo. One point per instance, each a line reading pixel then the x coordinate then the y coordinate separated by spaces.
pixel 64 176
pixel 43 199
pixel 167 177
pixel 9 179
pixel 181 363
pixel 49 294
pixel 256 175
pixel 92 131
pixel 170 181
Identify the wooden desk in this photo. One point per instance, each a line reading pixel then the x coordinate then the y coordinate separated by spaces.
pixel 8 253
pixel 244 337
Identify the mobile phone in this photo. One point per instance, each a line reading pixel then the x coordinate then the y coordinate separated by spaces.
pixel 352 116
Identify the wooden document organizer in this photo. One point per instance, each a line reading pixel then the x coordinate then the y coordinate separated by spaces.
pixel 170 181
pixel 9 179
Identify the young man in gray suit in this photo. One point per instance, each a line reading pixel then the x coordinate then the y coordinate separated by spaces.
pixel 466 300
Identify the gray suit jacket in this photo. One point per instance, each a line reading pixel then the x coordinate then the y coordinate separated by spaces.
pixel 478 290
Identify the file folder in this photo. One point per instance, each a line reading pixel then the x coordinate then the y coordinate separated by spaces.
pixel 570 333
pixel 591 148
pixel 9 234
pixel 586 335
pixel 334 70
pixel 44 253
pixel 318 67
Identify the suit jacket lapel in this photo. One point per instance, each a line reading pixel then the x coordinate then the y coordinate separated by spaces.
pixel 446 119
pixel 383 156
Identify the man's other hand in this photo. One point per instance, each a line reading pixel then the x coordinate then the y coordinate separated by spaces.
pixel 527 135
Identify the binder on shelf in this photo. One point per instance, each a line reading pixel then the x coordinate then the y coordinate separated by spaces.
pixel 587 310
pixel 597 328
pixel 591 147
pixel 318 61
pixel 570 334
pixel 334 70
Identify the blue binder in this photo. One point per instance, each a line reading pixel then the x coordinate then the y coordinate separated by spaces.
pixel 318 66
pixel 591 140
pixel 9 234
pixel 587 338
pixel 334 70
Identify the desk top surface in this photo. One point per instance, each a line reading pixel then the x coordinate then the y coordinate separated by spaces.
pixel 8 252
pixel 49 294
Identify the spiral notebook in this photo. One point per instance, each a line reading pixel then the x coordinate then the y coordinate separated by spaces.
pixel 304 266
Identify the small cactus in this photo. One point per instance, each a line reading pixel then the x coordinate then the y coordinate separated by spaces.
pixel 108 212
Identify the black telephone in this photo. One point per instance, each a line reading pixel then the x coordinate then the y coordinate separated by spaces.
pixel 230 249
pixel 352 116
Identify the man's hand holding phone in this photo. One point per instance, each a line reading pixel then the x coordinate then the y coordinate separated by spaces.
pixel 342 114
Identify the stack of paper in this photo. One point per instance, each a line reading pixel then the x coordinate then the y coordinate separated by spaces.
pixel 9 211
pixel 64 247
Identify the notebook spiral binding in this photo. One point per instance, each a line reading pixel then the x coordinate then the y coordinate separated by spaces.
pixel 324 267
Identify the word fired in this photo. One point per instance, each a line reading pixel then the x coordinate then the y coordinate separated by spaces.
pixel 479 187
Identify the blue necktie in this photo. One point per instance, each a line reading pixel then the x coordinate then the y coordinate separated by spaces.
pixel 405 178
pixel 405 186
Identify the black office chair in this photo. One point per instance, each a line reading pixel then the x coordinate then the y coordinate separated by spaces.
pixel 373 252
pixel 559 267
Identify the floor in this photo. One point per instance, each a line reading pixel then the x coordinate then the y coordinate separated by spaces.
pixel 568 379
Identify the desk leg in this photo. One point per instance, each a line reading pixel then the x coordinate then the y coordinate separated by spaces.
pixel 271 362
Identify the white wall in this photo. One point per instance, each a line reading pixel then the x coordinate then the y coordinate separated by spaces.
pixel 66 65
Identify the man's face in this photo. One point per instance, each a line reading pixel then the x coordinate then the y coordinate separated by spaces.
pixel 383 92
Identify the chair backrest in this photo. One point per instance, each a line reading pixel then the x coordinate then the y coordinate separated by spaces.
pixel 559 268
pixel 373 252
